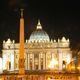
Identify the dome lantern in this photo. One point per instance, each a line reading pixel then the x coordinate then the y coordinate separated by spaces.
pixel 39 34
pixel 39 25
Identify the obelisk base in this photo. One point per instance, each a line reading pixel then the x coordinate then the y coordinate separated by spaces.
pixel 21 66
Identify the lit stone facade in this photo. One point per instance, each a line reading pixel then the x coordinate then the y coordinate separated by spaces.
pixel 41 53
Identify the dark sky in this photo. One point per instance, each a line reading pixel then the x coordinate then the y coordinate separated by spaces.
pixel 58 18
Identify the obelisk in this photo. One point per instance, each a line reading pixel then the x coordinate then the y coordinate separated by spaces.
pixel 21 50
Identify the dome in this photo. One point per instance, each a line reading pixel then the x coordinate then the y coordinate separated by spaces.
pixel 39 34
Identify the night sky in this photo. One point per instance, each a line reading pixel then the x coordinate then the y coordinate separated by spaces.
pixel 58 18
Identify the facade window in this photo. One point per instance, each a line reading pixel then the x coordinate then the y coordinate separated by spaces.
pixel 31 64
pixel 36 55
pixel 36 64
pixel 9 47
pixel 41 63
pixel 36 59
pixel 36 67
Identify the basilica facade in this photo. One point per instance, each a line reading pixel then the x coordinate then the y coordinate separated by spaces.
pixel 41 53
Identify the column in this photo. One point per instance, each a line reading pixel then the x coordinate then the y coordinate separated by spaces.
pixel 60 61
pixel 39 61
pixel 43 61
pixel 28 61
pixel 33 62
pixel 46 62
pixel 12 61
